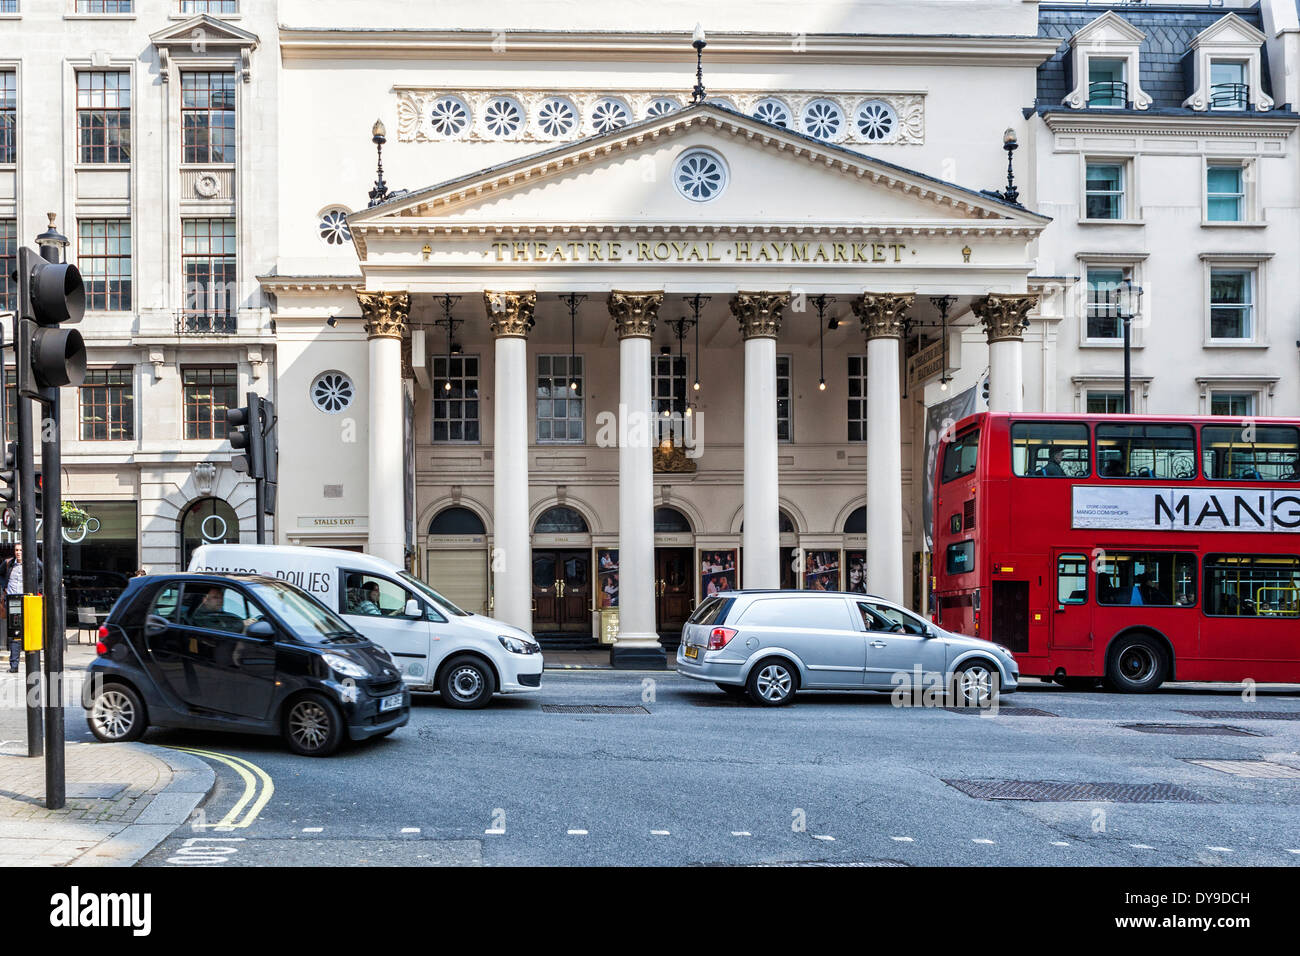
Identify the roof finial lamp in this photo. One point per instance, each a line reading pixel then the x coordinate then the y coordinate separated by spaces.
pixel 698 41
pixel 379 136
pixel 1009 143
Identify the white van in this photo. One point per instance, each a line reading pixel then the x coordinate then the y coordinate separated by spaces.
pixel 465 657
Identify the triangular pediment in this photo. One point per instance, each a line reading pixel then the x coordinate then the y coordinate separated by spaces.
pixel 1109 27
pixel 1230 30
pixel 772 177
pixel 210 31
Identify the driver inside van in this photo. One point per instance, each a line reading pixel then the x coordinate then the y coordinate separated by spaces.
pixel 364 599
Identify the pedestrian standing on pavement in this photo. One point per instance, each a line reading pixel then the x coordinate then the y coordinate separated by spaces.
pixel 11 578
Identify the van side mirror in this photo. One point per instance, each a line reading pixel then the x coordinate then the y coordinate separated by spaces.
pixel 413 608
pixel 263 630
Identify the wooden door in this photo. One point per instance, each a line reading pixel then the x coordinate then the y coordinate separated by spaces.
pixel 546 591
pixel 561 592
pixel 674 589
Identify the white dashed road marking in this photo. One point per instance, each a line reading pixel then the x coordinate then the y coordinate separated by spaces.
pixel 313 829
pixel 659 833
pixel 1220 849
pixel 903 839
pixel 818 836
pixel 410 829
pixel 494 831
pixel 741 833
pixel 577 833
pixel 1141 846
pixel 985 842
pixel 1059 843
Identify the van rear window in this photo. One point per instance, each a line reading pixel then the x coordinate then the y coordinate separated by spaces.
pixel 712 611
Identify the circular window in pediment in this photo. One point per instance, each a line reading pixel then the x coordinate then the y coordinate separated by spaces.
pixel 662 106
pixel 700 175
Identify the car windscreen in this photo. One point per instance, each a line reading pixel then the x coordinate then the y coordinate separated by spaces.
pixel 430 593
pixel 309 621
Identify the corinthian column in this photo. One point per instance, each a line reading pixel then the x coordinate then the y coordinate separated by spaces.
pixel 1005 319
pixel 386 314
pixel 510 316
pixel 759 315
pixel 637 645
pixel 881 315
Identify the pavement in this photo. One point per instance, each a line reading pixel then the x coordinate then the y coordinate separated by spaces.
pixel 122 799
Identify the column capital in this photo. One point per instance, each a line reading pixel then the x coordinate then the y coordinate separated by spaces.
pixel 882 314
pixel 385 313
pixel 1004 317
pixel 759 313
pixel 634 313
pixel 510 314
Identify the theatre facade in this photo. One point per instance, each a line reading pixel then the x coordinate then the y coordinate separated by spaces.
pixel 626 366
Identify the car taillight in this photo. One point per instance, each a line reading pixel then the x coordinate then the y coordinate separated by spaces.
pixel 101 648
pixel 719 637
pixel 103 631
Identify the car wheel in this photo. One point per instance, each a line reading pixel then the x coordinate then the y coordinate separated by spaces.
pixel 1136 665
pixel 466 683
pixel 772 683
pixel 313 726
pixel 975 684
pixel 732 690
pixel 116 714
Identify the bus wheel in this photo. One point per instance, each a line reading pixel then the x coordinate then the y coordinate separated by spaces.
pixel 1137 664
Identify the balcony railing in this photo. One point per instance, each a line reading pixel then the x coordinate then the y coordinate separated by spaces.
pixel 1230 96
pixel 206 323
pixel 1107 93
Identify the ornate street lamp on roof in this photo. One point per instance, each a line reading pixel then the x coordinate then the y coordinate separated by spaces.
pixel 379 136
pixel 698 41
pixel 1009 143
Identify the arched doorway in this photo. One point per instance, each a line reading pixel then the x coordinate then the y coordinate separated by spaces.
pixel 674 573
pixel 456 558
pixel 207 521
pixel 855 550
pixel 561 573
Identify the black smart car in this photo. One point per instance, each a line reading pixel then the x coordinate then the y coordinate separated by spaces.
pixel 245 653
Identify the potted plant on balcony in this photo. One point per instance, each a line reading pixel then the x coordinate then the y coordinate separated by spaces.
pixel 74 518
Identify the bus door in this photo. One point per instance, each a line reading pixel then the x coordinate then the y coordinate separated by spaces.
pixel 1072 609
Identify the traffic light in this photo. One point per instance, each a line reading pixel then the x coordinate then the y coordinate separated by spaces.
pixel 270 454
pixel 244 429
pixel 8 483
pixel 39 485
pixel 984 391
pixel 49 294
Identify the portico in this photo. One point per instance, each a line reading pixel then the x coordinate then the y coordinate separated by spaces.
pixel 607 219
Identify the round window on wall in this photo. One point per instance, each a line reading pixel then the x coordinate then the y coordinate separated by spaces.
pixel 662 107
pixel 876 121
pixel 334 229
pixel 503 117
pixel 608 115
pixel 823 119
pixel 700 175
pixel 557 117
pixel 332 392
pixel 774 111
pixel 449 116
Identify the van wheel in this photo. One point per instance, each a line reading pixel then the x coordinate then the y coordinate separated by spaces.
pixel 772 683
pixel 313 726
pixel 466 683
pixel 116 714
pixel 975 684
pixel 1136 664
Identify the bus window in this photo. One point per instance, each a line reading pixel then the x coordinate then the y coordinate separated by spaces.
pixel 1251 452
pixel 1047 450
pixel 1153 578
pixel 1252 585
pixel 1146 451
pixel 961 557
pixel 959 455
pixel 1072 579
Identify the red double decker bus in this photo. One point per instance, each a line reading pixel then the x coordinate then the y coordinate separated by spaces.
pixel 1133 548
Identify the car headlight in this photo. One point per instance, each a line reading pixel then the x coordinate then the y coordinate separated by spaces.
pixel 515 646
pixel 1005 650
pixel 344 666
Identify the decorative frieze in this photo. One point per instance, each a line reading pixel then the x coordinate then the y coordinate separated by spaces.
pixel 510 314
pixel 634 313
pixel 882 314
pixel 557 115
pixel 759 313
pixel 385 313
pixel 1004 317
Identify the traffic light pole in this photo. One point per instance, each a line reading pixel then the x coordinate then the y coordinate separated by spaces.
pixel 27 536
pixel 55 607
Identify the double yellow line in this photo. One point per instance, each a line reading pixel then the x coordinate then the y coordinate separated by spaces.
pixel 251 802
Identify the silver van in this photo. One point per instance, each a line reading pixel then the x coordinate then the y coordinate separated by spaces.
pixel 771 644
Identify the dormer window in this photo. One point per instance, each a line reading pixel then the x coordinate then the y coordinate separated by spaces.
pixel 1104 64
pixel 1226 72
pixel 1106 86
pixel 1229 86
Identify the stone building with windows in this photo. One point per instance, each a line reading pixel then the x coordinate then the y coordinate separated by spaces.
pixel 149 129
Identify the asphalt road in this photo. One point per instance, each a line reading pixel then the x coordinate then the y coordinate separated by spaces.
pixel 698 779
